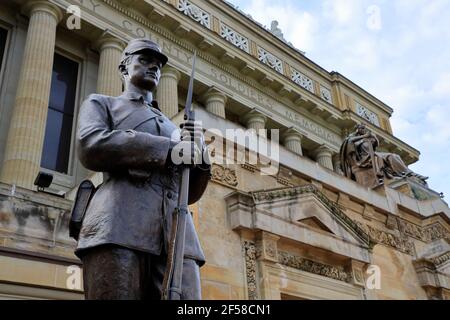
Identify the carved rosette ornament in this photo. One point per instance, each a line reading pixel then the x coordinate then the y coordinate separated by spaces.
pixel 224 175
pixel 250 269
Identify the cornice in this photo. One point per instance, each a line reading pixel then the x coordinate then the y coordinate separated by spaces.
pixel 337 77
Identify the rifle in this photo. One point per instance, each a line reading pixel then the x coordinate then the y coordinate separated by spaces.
pixel 174 270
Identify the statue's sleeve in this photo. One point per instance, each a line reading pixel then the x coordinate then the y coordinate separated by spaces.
pixel 100 148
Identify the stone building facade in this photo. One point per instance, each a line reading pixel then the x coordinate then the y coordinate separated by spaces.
pixel 303 231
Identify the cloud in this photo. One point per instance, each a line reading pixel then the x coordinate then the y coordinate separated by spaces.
pixel 298 26
pixel 403 59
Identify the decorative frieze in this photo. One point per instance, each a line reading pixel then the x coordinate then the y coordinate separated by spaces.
pixel 302 80
pixel 224 175
pixel 195 13
pixel 325 94
pixel 367 114
pixel 249 167
pixel 269 59
pixel 388 239
pixel 250 269
pixel 333 272
pixel 426 234
pixel 234 37
pixel 441 259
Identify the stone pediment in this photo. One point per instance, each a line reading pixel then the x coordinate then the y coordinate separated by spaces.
pixel 303 214
pixel 433 269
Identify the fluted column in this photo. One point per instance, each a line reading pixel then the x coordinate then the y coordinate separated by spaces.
pixel 215 102
pixel 109 81
pixel 257 121
pixel 324 157
pixel 167 93
pixel 27 129
pixel 292 140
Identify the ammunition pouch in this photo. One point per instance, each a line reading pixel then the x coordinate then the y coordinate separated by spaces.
pixel 85 192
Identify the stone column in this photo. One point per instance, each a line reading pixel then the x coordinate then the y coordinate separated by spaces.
pixel 324 157
pixel 257 121
pixel 27 129
pixel 292 140
pixel 215 102
pixel 109 81
pixel 167 92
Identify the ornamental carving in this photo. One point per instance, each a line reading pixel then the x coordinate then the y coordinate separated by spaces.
pixel 365 113
pixel 270 60
pixel 333 272
pixel 388 239
pixel 441 259
pixel 195 13
pixel 302 80
pixel 234 37
pixel 250 269
pixel 426 234
pixel 325 94
pixel 224 175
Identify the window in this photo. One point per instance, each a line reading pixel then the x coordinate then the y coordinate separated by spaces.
pixel 58 131
pixel 3 36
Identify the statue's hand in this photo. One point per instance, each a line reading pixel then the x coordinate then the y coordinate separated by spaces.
pixel 193 131
pixel 185 153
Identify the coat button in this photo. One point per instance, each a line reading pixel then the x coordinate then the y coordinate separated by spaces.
pixel 169 195
pixel 161 120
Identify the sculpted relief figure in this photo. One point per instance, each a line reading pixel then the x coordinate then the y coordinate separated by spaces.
pixel 361 162
pixel 123 239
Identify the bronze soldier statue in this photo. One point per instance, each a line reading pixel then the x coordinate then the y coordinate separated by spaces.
pixel 123 241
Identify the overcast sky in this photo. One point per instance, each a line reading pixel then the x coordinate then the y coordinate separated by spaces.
pixel 398 50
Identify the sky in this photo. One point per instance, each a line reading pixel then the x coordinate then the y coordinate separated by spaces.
pixel 397 50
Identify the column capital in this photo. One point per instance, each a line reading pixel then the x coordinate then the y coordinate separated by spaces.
pixel 43 6
pixel 291 134
pixel 213 94
pixel 108 40
pixel 171 72
pixel 324 150
pixel 254 116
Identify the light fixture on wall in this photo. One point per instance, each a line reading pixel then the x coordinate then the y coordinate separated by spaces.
pixel 43 180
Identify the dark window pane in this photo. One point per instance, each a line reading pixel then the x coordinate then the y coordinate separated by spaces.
pixel 3 35
pixel 56 152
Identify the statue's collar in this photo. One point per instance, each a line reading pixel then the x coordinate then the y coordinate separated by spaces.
pixel 133 96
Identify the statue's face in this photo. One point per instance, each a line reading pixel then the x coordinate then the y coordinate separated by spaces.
pixel 361 129
pixel 144 71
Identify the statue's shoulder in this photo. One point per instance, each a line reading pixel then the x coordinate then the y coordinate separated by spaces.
pixel 99 100
pixel 99 97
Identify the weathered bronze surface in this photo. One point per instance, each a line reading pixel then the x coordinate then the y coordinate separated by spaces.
pixel 361 162
pixel 123 240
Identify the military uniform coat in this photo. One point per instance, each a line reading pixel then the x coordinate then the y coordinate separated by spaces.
pixel 128 140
